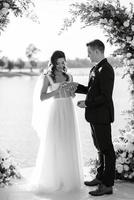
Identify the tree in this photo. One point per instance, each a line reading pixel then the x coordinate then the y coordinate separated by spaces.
pixel 31 51
pixel 2 63
pixel 18 8
pixel 118 24
pixel 20 63
pixel 10 65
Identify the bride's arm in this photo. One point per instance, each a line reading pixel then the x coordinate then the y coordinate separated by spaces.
pixel 44 95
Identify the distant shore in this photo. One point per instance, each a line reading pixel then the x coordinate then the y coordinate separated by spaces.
pixel 17 73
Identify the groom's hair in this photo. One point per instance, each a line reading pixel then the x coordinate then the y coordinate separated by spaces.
pixel 96 44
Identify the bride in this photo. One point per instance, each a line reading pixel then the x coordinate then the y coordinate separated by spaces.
pixel 58 165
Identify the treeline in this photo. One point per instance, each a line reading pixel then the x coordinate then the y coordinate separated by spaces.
pixel 78 63
pixel 20 64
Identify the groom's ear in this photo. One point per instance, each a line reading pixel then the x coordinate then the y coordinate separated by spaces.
pixel 97 51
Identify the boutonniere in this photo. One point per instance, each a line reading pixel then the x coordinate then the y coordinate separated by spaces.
pixel 100 69
pixel 92 74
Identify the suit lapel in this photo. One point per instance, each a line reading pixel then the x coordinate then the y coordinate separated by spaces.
pixel 91 75
pixel 95 70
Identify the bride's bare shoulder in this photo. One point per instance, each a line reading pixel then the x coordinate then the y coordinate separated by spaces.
pixel 48 78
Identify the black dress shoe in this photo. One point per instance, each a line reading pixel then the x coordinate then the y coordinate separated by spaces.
pixel 102 190
pixel 94 182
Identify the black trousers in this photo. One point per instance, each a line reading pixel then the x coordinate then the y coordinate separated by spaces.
pixel 102 139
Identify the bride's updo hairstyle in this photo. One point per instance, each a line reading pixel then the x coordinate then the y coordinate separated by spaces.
pixel 53 62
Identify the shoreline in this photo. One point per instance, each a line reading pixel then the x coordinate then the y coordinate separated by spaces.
pixel 15 73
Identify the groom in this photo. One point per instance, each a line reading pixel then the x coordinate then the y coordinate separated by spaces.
pixel 99 112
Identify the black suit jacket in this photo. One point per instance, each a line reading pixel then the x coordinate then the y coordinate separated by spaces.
pixel 99 103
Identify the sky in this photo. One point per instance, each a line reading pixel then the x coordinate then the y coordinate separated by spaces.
pixel 22 31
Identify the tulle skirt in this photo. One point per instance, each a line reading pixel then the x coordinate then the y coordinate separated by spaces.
pixel 59 164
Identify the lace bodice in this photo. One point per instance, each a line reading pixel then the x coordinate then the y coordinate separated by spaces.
pixel 53 86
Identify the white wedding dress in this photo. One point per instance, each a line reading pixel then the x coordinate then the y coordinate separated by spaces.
pixel 58 165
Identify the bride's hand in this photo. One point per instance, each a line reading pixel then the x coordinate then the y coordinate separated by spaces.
pixel 73 86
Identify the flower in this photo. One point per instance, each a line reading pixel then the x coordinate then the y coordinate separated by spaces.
pixel 96 3
pixel 128 38
pixel 123 154
pixel 117 146
pixel 110 21
pixel 120 160
pixel 92 75
pixel 129 55
pixel 6 5
pixel 103 21
pixel 126 23
pixel 132 27
pixel 126 168
pixel 8 168
pixel 130 176
pixel 119 168
pixel 129 137
pixel 123 45
pixel 125 175
pixel 130 147
pixel 130 15
pixel 96 14
pixel 132 42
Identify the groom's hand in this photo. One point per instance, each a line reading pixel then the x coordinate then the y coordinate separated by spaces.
pixel 73 86
pixel 81 104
